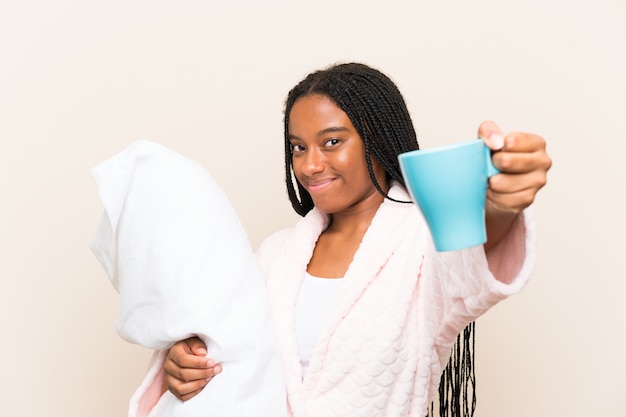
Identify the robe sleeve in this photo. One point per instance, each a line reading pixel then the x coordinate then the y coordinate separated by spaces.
pixel 471 282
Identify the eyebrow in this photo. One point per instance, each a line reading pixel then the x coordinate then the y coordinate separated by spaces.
pixel 326 131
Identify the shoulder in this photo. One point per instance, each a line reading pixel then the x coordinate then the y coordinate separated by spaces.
pixel 274 241
pixel 272 245
pixel 297 239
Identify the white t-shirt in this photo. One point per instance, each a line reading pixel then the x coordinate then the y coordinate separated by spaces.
pixel 315 298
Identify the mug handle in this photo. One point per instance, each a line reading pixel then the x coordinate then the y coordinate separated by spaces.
pixel 491 169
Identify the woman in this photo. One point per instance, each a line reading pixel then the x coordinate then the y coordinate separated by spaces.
pixel 365 309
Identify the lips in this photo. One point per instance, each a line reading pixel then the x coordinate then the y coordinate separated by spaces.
pixel 318 185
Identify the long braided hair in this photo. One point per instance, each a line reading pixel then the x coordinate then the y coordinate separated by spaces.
pixel 379 114
pixel 376 109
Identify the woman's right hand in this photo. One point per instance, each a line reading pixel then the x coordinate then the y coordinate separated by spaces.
pixel 187 370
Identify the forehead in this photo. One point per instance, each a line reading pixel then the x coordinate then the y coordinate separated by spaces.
pixel 313 113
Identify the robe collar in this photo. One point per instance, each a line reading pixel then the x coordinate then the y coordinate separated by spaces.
pixel 382 237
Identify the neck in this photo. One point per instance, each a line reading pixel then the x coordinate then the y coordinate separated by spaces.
pixel 355 220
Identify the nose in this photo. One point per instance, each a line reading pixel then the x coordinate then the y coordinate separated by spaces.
pixel 313 162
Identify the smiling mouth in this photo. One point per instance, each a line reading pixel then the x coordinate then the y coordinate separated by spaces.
pixel 316 186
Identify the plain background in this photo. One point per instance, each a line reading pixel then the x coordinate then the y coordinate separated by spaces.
pixel 80 81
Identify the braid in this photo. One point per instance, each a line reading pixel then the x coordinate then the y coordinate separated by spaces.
pixel 378 112
pixel 375 107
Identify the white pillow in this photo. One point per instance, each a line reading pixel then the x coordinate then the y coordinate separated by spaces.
pixel 174 248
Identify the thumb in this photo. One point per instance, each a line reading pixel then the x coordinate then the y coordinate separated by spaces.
pixel 492 135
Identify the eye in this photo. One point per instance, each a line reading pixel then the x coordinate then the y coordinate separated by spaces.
pixel 331 142
pixel 295 148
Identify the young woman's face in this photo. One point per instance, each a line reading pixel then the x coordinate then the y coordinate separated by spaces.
pixel 329 156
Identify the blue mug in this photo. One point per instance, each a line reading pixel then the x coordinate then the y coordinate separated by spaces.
pixel 449 185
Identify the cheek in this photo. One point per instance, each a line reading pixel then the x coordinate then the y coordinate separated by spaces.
pixel 345 160
pixel 352 158
pixel 359 169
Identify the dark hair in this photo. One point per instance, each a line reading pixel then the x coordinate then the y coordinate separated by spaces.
pixel 375 107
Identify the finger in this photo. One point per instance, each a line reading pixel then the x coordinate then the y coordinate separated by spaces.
pixel 196 346
pixel 492 135
pixel 187 382
pixel 521 162
pixel 513 193
pixel 524 142
pixel 513 183
pixel 190 395
pixel 197 371
pixel 181 355
pixel 186 390
pixel 513 202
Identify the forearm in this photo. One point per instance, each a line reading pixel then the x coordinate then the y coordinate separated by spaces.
pixel 507 258
pixel 498 224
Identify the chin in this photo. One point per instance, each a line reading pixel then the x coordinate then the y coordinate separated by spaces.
pixel 326 208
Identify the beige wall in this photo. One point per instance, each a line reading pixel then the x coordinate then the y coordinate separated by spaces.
pixel 79 81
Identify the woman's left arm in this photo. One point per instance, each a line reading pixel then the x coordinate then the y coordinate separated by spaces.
pixel 523 163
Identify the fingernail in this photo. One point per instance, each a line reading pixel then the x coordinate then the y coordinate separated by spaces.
pixel 202 351
pixel 217 369
pixel 497 141
pixel 210 363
